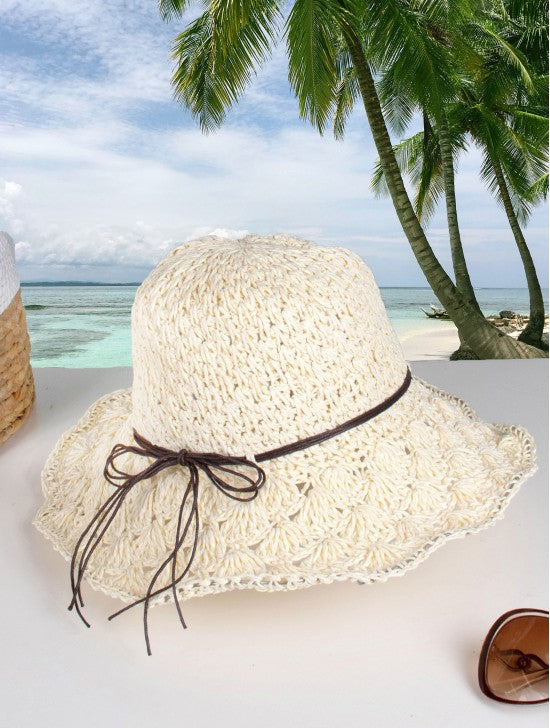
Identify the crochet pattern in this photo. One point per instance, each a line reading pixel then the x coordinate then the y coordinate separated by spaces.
pixel 240 346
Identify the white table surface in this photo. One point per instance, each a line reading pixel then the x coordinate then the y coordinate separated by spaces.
pixel 401 653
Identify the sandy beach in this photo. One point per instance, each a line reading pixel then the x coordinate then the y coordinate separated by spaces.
pixel 426 345
pixel 429 345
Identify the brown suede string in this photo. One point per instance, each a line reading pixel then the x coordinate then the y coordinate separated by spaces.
pixel 214 466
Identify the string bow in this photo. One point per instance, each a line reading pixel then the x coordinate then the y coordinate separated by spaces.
pixel 213 465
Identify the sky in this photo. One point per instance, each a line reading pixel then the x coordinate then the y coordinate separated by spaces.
pixel 102 171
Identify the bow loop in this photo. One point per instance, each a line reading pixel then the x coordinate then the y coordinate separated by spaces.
pixel 244 493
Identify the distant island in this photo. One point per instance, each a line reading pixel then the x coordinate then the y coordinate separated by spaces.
pixel 75 283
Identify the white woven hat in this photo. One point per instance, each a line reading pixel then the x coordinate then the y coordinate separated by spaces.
pixel 240 347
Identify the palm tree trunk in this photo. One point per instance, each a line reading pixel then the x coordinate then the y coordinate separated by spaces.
pixel 462 276
pixel 532 334
pixel 481 336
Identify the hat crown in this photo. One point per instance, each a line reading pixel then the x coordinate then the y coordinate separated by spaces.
pixel 240 346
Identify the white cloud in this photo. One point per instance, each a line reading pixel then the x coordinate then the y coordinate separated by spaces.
pixel 102 58
pixel 97 205
pixel 11 189
pixel 10 193
pixel 218 232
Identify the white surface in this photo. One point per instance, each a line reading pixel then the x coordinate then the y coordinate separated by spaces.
pixel 9 278
pixel 394 654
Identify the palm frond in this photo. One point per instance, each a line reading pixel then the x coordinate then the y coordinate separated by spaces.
pixel 172 8
pixel 515 182
pixel 407 153
pixel 410 44
pixel 513 55
pixel 428 177
pixel 347 92
pixel 528 30
pixel 523 206
pixel 312 40
pixel 219 52
pixel 531 125
pixel 398 107
pixel 539 189
pixel 378 180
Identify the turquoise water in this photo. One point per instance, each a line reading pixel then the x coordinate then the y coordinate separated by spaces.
pixel 89 326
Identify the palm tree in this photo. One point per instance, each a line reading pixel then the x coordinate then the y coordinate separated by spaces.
pixel 519 105
pixel 507 153
pixel 399 97
pixel 508 120
pixel 218 53
pixel 419 156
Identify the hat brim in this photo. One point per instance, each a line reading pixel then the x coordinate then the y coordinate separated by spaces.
pixel 368 504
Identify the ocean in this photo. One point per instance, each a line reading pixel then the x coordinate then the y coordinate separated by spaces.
pixel 89 325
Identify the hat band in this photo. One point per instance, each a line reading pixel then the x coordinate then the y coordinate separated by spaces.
pixel 214 466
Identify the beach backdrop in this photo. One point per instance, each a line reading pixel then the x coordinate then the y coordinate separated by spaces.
pixel 106 166
pixel 89 325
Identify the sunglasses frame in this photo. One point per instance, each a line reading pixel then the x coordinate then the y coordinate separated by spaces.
pixel 485 689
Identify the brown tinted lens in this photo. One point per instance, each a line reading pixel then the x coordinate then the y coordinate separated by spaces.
pixel 517 660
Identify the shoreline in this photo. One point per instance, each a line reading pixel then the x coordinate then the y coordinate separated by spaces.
pixel 429 345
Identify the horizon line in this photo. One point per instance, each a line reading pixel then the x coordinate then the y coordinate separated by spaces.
pixel 138 283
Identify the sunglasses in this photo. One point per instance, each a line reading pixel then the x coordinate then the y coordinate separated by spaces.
pixel 513 665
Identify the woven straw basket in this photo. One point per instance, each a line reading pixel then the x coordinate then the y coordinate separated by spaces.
pixel 16 379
